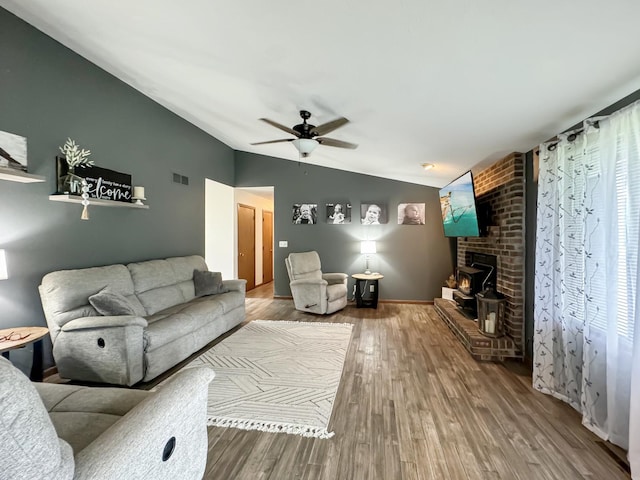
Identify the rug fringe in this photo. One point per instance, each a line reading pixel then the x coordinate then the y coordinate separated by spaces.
pixel 305 323
pixel 270 427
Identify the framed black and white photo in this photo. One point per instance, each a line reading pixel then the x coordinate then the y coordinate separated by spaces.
pixel 338 213
pixel 411 214
pixel 305 213
pixel 13 151
pixel 373 213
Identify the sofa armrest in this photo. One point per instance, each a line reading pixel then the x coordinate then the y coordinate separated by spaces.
pixel 333 278
pixel 102 349
pixel 236 285
pixel 118 321
pixel 135 445
pixel 316 282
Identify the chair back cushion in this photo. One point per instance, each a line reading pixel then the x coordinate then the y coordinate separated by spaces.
pixel 303 265
pixel 30 445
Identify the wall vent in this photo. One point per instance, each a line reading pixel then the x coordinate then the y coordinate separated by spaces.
pixel 181 179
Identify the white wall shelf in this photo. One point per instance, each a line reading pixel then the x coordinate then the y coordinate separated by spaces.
pixel 94 201
pixel 12 175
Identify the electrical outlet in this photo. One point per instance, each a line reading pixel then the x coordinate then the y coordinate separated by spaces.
pixel 372 288
pixel 283 244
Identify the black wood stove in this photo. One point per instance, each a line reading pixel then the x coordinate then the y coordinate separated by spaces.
pixel 473 278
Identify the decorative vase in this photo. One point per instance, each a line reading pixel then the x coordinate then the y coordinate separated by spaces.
pixel 70 183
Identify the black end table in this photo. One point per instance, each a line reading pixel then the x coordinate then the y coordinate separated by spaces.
pixel 367 289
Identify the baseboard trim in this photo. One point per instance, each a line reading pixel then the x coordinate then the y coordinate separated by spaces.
pixel 415 302
pixel 617 454
pixel 48 372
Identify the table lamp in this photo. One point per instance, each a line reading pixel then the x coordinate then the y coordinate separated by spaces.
pixel 367 247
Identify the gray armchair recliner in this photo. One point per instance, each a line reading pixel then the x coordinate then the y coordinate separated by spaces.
pixel 312 290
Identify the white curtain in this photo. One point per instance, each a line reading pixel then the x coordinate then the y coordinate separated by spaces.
pixel 586 276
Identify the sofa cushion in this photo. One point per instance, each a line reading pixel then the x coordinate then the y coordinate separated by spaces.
pixel 82 414
pixel 161 298
pixel 75 398
pixel 107 302
pixel 336 291
pixel 208 283
pixel 79 429
pixel 30 445
pixel 227 301
pixel 160 284
pixel 180 320
pixel 169 328
pixel 183 268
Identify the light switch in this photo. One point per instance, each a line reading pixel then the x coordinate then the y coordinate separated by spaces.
pixel 283 244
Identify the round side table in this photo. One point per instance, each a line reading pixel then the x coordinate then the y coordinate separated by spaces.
pixel 364 298
pixel 19 337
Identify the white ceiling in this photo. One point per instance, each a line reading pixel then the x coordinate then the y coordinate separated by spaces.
pixel 455 83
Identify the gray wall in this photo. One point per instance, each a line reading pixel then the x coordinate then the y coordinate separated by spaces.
pixel 49 93
pixel 415 260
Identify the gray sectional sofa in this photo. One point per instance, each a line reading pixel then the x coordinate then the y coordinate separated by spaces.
pixel 63 432
pixel 148 318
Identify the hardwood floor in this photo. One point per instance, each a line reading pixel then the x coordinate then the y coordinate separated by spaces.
pixel 413 404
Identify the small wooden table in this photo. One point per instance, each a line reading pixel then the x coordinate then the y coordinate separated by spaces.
pixel 363 300
pixel 19 337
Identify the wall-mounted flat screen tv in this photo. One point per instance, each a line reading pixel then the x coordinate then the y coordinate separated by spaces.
pixel 458 205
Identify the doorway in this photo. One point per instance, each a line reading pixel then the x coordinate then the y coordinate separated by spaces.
pixel 247 244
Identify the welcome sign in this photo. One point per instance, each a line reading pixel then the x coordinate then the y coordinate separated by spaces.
pixel 103 183
pixel 107 184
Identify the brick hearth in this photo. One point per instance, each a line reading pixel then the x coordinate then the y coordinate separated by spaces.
pixel 499 189
pixel 480 347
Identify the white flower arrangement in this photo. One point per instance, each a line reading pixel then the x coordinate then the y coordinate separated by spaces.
pixel 74 155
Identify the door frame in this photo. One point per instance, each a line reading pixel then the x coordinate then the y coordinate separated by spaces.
pixel 271 241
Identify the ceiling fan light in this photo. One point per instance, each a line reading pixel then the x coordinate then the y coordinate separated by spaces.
pixel 305 145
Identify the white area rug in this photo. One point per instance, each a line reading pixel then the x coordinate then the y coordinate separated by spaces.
pixel 277 376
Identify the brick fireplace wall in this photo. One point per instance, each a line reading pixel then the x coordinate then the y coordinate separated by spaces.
pixel 500 190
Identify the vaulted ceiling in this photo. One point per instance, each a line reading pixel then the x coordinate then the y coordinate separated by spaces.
pixel 457 84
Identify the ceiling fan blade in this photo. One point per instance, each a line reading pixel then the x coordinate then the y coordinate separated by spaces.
pixel 332 142
pixel 275 141
pixel 280 126
pixel 329 126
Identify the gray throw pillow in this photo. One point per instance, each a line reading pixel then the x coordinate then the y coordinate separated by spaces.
pixel 208 283
pixel 111 303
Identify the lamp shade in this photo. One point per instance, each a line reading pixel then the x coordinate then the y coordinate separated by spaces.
pixel 367 247
pixel 3 266
pixel 305 145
